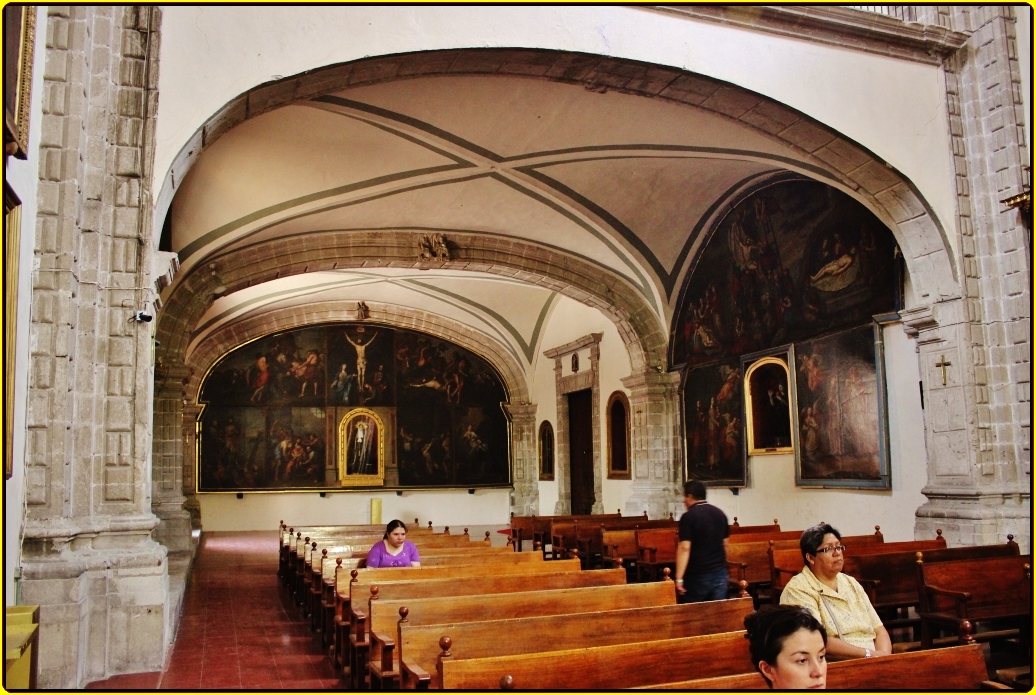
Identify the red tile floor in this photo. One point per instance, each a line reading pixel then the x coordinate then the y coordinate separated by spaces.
pixel 238 630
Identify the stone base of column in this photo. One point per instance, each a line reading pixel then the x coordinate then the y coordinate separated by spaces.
pixel 659 502
pixel 103 606
pixel 174 528
pixel 563 507
pixel 192 506
pixel 976 518
pixel 525 501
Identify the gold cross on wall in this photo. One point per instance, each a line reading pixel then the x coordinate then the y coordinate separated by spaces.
pixel 943 364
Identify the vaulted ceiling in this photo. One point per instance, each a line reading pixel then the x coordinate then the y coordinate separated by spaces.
pixel 622 184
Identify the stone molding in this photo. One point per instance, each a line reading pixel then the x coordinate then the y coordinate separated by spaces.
pixel 836 26
pixel 525 498
pixel 564 385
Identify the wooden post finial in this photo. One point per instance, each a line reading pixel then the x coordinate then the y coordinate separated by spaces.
pixel 666 572
pixel 374 592
pixel 487 534
pixel 444 644
pixel 507 682
pixel 938 533
pixel 403 613
pixel 338 562
pixel 323 553
pixel 429 525
pixel 416 522
pixel 354 574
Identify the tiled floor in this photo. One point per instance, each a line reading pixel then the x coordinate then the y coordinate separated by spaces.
pixel 237 630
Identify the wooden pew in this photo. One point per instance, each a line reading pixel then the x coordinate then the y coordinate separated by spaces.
pixel 736 528
pixel 956 594
pixel 421 645
pixel 890 578
pixel 656 548
pixel 385 614
pixel 953 668
pixel 346 647
pixel 601 668
pixel 384 658
pixel 590 536
pixel 537 528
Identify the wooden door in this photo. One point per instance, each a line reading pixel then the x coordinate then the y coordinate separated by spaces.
pixel 581 450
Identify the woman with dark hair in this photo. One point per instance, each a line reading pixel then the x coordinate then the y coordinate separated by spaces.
pixel 788 646
pixel 836 599
pixel 394 550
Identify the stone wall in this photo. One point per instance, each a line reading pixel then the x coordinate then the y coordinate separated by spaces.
pixel 88 556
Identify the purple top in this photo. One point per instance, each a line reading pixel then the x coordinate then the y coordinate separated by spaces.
pixel 380 557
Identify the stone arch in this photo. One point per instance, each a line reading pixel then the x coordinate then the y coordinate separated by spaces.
pixel 239 332
pixel 829 155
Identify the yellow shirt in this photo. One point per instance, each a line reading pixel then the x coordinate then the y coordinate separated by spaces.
pixel 846 613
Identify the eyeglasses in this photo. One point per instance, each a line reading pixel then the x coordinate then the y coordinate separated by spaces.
pixel 839 548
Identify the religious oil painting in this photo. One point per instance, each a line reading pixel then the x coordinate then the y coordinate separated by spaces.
pixel 790 261
pixel 714 430
pixel 842 417
pixel 361 448
pixel 443 403
pixel 768 404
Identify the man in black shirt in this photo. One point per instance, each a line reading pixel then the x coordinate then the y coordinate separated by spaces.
pixel 701 559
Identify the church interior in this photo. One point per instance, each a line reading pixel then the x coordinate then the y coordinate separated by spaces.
pixel 333 266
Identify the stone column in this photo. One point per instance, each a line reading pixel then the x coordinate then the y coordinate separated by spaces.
pixel 525 500
pixel 975 351
pixel 189 423
pixel 167 501
pixel 88 556
pixel 655 446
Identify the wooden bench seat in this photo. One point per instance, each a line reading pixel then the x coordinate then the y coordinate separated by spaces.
pixel 343 641
pixel 384 615
pixel 656 549
pixel 421 645
pixel 590 538
pixel 384 660
pixel 956 594
pixel 953 668
pixel 536 529
pixel 606 667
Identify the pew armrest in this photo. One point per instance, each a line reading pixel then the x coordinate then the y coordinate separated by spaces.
pixel 993 685
pixel 871 587
pixel 382 648
pixel 358 627
pixel 413 677
pixel 960 598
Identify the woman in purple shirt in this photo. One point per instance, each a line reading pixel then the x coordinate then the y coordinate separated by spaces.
pixel 394 550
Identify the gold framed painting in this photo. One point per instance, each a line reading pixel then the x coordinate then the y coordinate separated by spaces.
pixel 12 233
pixel 361 449
pixel 19 45
pixel 768 403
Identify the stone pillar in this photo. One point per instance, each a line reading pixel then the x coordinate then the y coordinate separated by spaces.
pixel 189 423
pixel 167 499
pixel 525 500
pixel 975 351
pixel 88 556
pixel 655 446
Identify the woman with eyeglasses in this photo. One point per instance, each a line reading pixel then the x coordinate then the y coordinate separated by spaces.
pixel 854 629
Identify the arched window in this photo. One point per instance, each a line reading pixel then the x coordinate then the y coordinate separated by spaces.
pixel 546 451
pixel 618 436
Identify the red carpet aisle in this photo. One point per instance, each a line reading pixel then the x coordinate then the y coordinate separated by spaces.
pixel 237 630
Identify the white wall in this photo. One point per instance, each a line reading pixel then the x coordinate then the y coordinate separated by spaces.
pixel 570 321
pixel 772 492
pixel 263 511
pixel 23 177
pixel 895 108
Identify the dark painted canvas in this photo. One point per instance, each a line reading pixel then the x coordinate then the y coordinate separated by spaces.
pixel 713 425
pixel 791 261
pixel 270 404
pixel 842 428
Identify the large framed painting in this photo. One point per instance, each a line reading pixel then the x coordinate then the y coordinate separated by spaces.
pixel 356 404
pixel 714 430
pixel 769 403
pixel 842 412
pixel 19 49
pixel 791 260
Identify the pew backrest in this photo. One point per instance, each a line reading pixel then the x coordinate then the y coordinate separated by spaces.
pixel 421 647
pixel 951 668
pixel 606 667
pixel 976 588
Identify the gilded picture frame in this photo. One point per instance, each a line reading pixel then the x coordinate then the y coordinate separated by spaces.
pixel 19 49
pixel 769 405
pixel 12 237
pixel 361 449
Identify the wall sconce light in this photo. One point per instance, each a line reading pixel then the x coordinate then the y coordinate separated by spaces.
pixel 240 495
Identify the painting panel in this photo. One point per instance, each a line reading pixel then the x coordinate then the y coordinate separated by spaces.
pixel 286 369
pixel 842 423
pixel 248 448
pixel 768 405
pixel 424 446
pixel 714 433
pixel 361 365
pixel 793 260
pixel 480 447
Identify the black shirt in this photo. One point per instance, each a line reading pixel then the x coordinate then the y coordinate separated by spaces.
pixel 705 527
